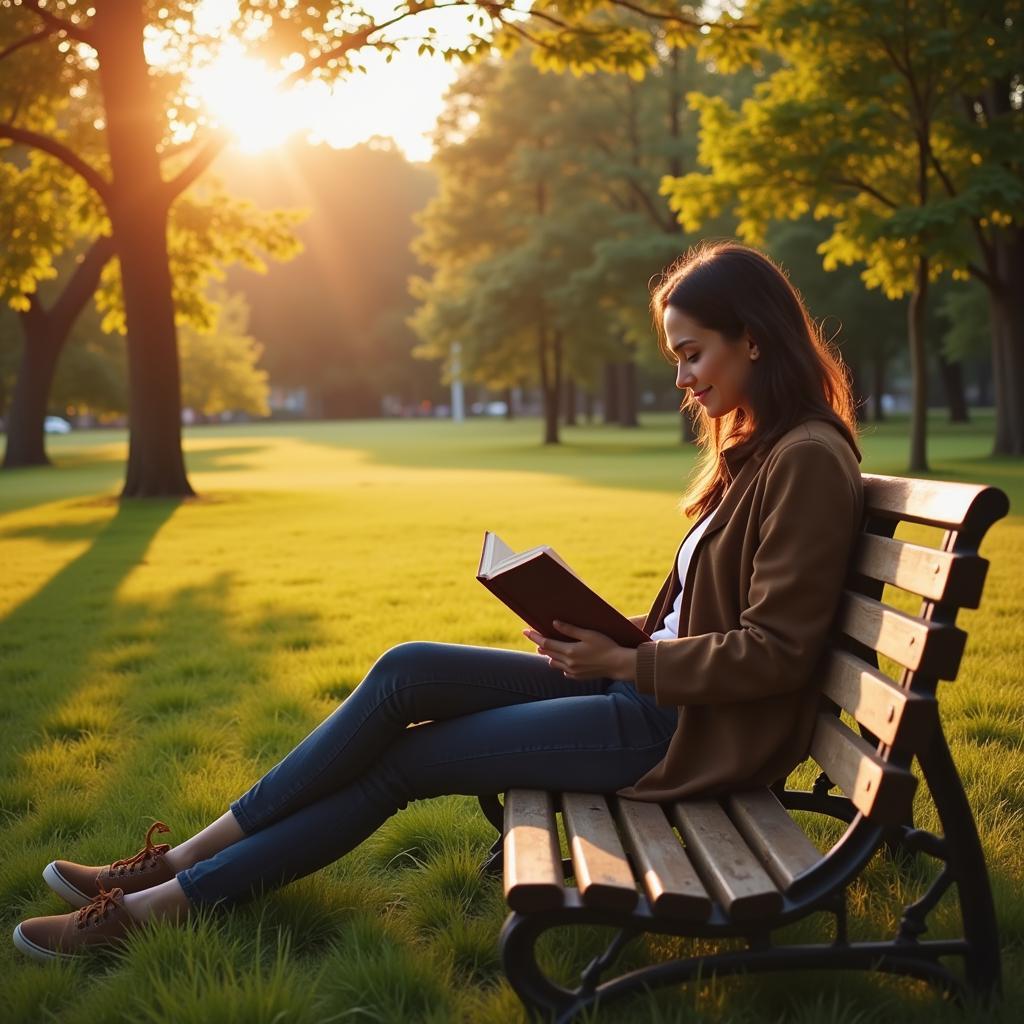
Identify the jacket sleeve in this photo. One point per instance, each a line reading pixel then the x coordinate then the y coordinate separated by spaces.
pixel 811 515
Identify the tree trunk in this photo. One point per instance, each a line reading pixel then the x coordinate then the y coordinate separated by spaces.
pixel 40 350
pixel 44 335
pixel 983 379
pixel 611 392
pixel 627 395
pixel 1007 313
pixel 878 388
pixel 549 348
pixel 138 214
pixel 570 402
pixel 953 383
pixel 918 368
pixel 510 408
pixel 588 406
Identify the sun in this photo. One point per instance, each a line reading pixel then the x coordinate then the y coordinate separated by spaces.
pixel 400 98
pixel 242 95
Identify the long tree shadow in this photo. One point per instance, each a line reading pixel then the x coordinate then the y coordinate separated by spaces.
pixel 83 474
pixel 47 639
pixel 163 706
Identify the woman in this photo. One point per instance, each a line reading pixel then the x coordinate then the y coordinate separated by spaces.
pixel 722 697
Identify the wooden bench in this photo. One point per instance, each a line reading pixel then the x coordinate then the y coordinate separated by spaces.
pixel 742 867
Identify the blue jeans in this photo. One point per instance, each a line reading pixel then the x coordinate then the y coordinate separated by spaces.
pixel 488 720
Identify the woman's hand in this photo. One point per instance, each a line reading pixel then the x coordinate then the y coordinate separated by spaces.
pixel 589 655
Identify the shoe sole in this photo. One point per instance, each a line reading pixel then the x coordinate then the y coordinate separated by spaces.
pixel 63 888
pixel 39 953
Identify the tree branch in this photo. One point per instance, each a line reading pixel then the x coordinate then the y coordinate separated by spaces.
pixel 990 280
pixel 863 186
pixel 209 152
pixel 83 35
pixel 943 176
pixel 979 234
pixel 61 152
pixel 665 16
pixel 81 285
pixel 27 41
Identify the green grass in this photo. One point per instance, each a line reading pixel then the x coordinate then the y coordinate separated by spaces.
pixel 155 658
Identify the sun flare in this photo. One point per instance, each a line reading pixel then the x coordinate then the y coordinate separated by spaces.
pixel 242 95
pixel 400 97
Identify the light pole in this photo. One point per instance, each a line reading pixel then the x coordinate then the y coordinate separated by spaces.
pixel 458 403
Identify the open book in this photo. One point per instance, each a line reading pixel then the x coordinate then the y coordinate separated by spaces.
pixel 540 587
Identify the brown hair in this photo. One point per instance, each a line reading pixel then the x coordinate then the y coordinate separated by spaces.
pixel 740 292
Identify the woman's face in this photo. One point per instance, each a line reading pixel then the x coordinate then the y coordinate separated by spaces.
pixel 715 369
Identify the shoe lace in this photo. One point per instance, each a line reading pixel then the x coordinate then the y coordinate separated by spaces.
pixel 99 907
pixel 128 864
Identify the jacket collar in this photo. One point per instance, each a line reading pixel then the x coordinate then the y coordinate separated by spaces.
pixel 743 467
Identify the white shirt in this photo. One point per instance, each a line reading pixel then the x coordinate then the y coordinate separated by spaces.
pixel 670 627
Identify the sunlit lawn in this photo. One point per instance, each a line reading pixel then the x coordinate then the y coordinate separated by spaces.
pixel 154 659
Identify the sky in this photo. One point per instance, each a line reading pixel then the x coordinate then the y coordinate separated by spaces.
pixel 401 99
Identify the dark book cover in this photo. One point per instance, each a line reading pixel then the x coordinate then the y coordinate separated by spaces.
pixel 540 588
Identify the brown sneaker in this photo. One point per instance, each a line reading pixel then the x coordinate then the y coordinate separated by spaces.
pixel 99 923
pixel 80 885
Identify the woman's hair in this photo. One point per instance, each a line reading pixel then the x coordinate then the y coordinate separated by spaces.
pixel 799 375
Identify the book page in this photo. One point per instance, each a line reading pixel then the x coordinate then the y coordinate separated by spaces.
pixel 494 553
pixel 498 556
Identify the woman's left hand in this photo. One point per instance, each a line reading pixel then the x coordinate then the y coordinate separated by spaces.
pixel 589 655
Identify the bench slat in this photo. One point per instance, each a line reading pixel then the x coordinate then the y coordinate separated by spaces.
pixel 887 710
pixel 936 575
pixel 940 503
pixel 773 835
pixel 603 874
pixel 729 869
pixel 671 882
pixel 931 648
pixel 532 860
pixel 877 788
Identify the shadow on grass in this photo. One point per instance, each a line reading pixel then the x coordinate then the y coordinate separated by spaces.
pixel 53 632
pixel 82 474
pixel 650 456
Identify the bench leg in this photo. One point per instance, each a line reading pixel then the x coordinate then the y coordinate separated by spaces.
pixel 494 812
pixel 965 862
pixel 543 999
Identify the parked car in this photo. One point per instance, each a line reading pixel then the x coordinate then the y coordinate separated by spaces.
pixel 56 425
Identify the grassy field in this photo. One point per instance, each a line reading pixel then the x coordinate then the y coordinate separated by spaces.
pixel 155 658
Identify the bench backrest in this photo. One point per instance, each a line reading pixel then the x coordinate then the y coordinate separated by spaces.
pixel 896 713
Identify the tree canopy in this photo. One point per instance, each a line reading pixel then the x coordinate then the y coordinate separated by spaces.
pixel 900 122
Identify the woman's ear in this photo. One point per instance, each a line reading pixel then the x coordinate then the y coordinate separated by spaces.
pixel 755 352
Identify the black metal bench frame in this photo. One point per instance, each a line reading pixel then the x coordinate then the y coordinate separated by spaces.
pixel 965 513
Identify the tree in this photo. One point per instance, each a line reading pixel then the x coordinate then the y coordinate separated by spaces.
pixel 510 220
pixel 98 51
pixel 54 206
pixel 869 327
pixel 207 230
pixel 864 123
pixel 555 181
pixel 631 134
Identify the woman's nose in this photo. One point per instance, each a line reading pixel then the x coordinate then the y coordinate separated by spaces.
pixel 683 377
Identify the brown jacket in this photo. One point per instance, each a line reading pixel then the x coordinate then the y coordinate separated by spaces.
pixel 763 588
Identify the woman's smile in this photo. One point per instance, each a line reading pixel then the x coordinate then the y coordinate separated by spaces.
pixel 701 352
